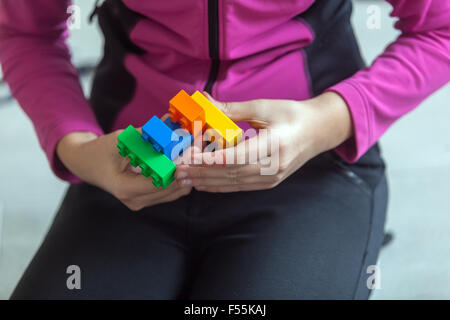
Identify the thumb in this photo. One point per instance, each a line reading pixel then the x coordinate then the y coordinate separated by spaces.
pixel 256 112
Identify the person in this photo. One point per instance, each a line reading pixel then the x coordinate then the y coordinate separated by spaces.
pixel 310 231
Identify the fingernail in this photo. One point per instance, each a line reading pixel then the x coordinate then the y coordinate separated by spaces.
pixel 182 174
pixel 186 182
pixel 136 170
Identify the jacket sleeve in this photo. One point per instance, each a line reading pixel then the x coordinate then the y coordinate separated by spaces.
pixel 36 65
pixel 415 65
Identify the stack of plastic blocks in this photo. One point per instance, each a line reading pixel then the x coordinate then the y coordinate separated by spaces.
pixel 162 141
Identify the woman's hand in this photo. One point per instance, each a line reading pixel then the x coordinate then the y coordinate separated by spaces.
pixel 96 160
pixel 302 130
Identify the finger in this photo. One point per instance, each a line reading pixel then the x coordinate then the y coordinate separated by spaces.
pixel 177 194
pixel 207 182
pixel 246 152
pixel 213 171
pixel 226 189
pixel 233 177
pixel 133 185
pixel 141 202
pixel 161 197
pixel 254 110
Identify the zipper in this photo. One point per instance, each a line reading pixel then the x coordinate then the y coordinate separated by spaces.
pixel 213 39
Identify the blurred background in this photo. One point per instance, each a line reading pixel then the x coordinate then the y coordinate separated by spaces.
pixel 415 265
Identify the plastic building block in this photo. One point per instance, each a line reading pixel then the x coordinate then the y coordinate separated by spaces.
pixel 222 126
pixel 152 163
pixel 158 134
pixel 170 142
pixel 184 110
pixel 185 138
pixel 172 125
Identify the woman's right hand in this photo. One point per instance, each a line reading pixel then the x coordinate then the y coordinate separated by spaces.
pixel 96 160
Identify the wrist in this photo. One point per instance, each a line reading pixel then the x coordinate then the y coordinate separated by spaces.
pixel 335 120
pixel 70 150
pixel 72 141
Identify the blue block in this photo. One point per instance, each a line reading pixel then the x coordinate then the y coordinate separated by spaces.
pixel 172 125
pixel 171 142
pixel 186 137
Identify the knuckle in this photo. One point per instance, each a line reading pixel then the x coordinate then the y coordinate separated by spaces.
pixel 274 178
pixel 135 208
pixel 226 107
pixel 132 205
pixel 185 191
pixel 273 182
pixel 283 166
pixel 273 185
pixel 279 177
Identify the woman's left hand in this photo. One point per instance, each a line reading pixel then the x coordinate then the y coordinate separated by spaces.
pixel 297 131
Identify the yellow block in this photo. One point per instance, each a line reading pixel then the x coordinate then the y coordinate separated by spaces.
pixel 222 126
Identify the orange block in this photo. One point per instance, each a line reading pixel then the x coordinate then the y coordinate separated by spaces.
pixel 185 110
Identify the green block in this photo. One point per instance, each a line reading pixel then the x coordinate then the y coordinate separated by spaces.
pixel 141 153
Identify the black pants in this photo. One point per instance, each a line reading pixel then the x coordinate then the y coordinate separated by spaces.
pixel 312 237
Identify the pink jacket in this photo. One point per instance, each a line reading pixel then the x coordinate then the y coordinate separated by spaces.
pixel 236 49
